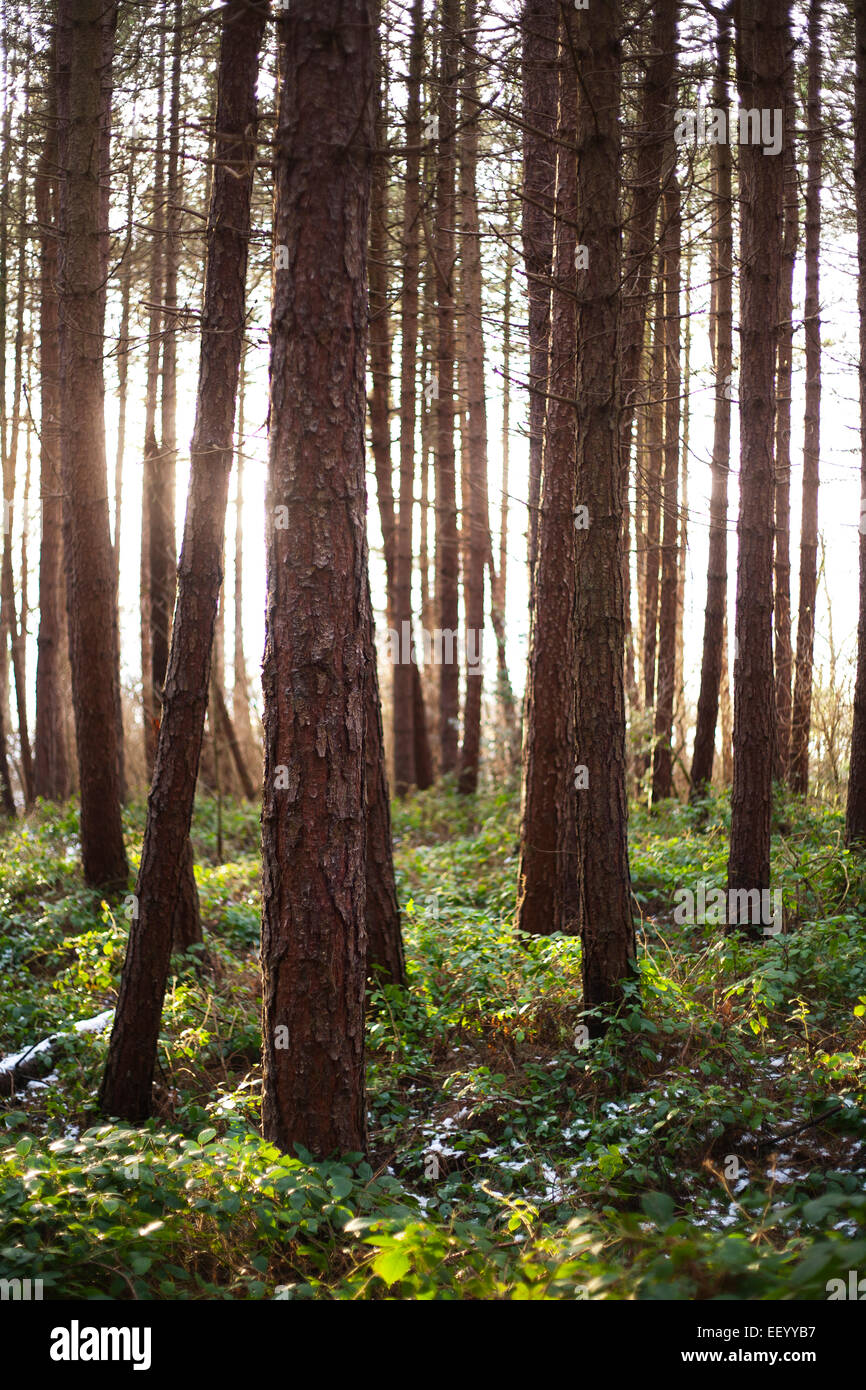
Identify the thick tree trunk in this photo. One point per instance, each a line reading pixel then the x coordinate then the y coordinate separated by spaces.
pixel 604 884
pixel 664 707
pixel 314 941
pixel 547 871
pixel 85 28
pixel 761 27
pixel 801 715
pixel 855 820
pixel 540 88
pixel 166 858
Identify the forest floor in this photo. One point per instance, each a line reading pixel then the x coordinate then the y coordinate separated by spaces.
pixel 682 1157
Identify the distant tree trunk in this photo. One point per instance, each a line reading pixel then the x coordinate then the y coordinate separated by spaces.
pixel 85 28
pixel 123 369
pixel 679 775
pixel 403 702
pixel 166 857
pixel 314 942
pixel 654 451
pixel 498 582
pixel 801 716
pixel 855 820
pixel 761 27
pixel 447 542
pixel 241 693
pixel 662 785
pixel 475 505
pixel 380 325
pixel 540 87
pixel 722 330
pixel 782 605
pixel 150 482
pixel 547 872
pixel 51 769
pixel 604 883
pixel 637 270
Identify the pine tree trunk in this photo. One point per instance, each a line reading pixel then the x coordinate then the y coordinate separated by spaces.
pixel 166 858
pixel 855 820
pixel 540 88
pixel 760 63
pixel 447 541
pixel 604 884
pixel 85 32
pixel 801 715
pixel 547 871
pixel 664 707
pixel 475 504
pixel 782 605
pixel 314 943
pixel 722 329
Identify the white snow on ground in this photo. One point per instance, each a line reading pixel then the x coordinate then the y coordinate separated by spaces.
pixel 95 1024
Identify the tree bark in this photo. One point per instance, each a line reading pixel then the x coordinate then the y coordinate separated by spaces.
pixel 604 884
pixel 801 715
pixel 761 31
pixel 547 871
pixel 85 34
pixel 314 941
pixel 855 817
pixel 166 858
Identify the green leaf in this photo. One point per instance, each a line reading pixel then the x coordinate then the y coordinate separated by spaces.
pixel 206 1135
pixel 391 1265
pixel 659 1207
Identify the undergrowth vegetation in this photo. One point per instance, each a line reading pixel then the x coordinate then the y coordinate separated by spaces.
pixel 712 1145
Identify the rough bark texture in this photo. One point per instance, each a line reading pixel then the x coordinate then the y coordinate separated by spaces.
pixel 654 451
pixel 546 870
pixel 801 715
pixel 51 769
pixel 166 859
pixel 84 32
pixel 314 941
pixel 760 64
pixel 855 821
pixel 475 502
pixel 604 885
pixel 540 88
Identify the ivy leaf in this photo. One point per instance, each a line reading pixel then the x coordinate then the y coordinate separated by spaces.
pixel 391 1265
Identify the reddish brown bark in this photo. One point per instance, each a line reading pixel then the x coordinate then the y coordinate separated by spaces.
pixel 166 859
pixel 604 884
pixel 85 30
pixel 547 870
pixel 314 942
pixel 761 28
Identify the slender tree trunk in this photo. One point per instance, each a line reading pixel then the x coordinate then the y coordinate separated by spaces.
pixel 84 30
pixel 855 821
pixel 314 837
pixel 782 605
pixel 604 883
pixel 662 785
pixel 722 328
pixel 761 31
pixel 654 451
pixel 540 88
pixel 801 716
pixel 447 541
pixel 547 871
pixel 241 692
pixel 166 858
pixel 403 703
pixel 51 770
pixel 475 505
